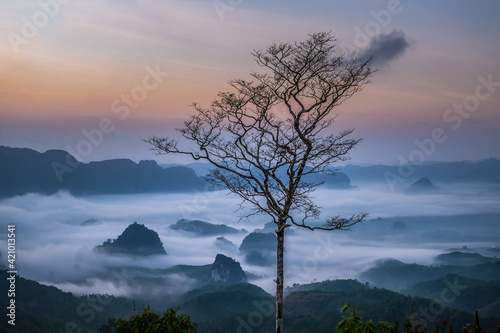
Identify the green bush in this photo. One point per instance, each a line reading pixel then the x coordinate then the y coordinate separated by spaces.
pixel 148 321
pixel 354 324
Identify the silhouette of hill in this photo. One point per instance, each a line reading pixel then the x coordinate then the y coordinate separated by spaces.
pixel 223 271
pixel 423 185
pixel 442 172
pixel 137 240
pixel 463 259
pixel 328 285
pixel 41 308
pixel 25 171
pixel 225 309
pixel 311 307
pixel 469 294
pixel 256 258
pixel 396 275
pixel 257 241
pixel 270 227
pixel 338 180
pixel 224 244
pixel 248 308
pixel 204 228
pixel 259 248
pixel 226 271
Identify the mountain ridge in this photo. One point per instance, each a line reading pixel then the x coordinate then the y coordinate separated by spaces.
pixel 24 170
pixel 486 171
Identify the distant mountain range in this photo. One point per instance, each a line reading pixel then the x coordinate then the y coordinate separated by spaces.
pixel 25 171
pixel 338 180
pixel 396 275
pixel 486 171
pixel 442 172
pixel 466 293
pixel 204 228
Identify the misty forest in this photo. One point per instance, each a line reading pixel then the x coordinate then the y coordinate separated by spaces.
pixel 267 228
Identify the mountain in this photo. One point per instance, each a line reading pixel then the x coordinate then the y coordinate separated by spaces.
pixel 227 309
pixel 223 271
pixel 257 241
pixel 463 259
pixel 317 310
pixel 327 285
pixel 313 307
pixel 270 227
pixel 468 294
pixel 224 244
pixel 396 275
pixel 486 171
pixel 25 171
pixel 204 228
pixel 43 309
pixel 137 240
pixel 227 271
pixel 434 287
pixel 337 180
pixel 245 307
pixel 201 169
pixel 259 248
pixel 458 229
pixel 423 185
pixel 256 258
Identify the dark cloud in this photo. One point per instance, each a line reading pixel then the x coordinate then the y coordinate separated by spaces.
pixel 386 48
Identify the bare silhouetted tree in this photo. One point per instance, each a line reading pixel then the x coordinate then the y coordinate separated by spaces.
pixel 268 135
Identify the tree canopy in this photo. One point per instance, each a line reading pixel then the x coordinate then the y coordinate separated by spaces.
pixel 267 135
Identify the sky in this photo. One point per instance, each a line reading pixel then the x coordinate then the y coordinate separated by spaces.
pixel 95 77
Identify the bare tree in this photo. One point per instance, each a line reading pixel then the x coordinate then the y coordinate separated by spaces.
pixel 268 135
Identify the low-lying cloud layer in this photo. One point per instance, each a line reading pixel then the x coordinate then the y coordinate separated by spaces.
pixel 53 246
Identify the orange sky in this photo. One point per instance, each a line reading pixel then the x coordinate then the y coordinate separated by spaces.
pixel 88 55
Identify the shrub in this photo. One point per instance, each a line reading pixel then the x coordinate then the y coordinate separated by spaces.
pixel 148 321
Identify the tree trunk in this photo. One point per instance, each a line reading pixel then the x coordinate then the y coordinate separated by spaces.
pixel 280 233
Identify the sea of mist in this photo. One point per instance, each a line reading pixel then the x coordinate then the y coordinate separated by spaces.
pixel 53 246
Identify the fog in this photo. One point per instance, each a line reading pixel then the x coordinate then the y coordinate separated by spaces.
pixel 53 246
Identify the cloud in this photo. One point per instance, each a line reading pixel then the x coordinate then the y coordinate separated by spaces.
pixel 385 48
pixel 53 246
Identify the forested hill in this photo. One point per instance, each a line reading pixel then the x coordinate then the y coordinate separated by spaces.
pixel 222 308
pixel 40 308
pixel 25 171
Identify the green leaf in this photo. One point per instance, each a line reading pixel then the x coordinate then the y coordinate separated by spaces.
pixel 346 306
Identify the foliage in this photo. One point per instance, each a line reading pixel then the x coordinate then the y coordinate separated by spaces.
pixel 354 324
pixel 148 321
